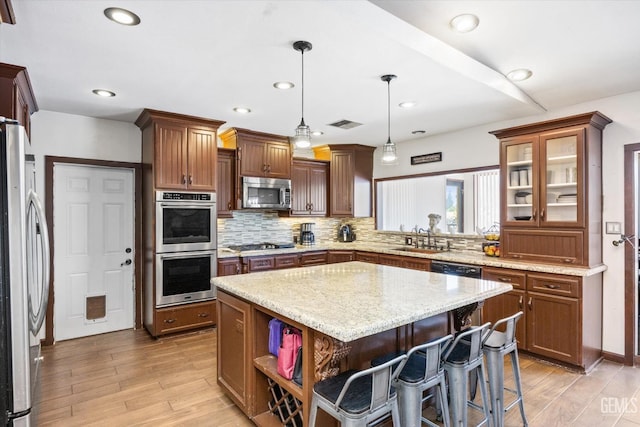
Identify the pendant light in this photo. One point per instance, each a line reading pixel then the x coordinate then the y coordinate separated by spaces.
pixel 302 139
pixel 389 156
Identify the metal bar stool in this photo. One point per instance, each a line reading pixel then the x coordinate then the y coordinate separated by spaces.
pixel 422 370
pixel 496 345
pixel 356 398
pixel 461 358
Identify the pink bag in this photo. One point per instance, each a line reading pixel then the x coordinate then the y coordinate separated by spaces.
pixel 291 341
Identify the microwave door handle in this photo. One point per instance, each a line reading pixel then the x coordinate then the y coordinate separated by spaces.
pixel 282 196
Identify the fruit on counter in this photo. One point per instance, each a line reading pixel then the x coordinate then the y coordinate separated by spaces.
pixel 492 236
pixel 492 250
pixel 497 252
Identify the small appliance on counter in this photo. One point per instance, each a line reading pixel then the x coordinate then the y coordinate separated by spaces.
pixel 346 234
pixel 307 237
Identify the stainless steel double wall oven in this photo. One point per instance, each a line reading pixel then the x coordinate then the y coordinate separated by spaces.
pixel 185 247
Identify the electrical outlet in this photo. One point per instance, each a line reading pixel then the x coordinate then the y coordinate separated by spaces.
pixel 408 241
pixel 613 228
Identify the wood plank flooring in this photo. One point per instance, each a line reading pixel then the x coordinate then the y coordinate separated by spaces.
pixel 128 378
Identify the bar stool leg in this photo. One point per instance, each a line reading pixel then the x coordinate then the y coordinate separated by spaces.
pixel 483 393
pixel 458 389
pixel 411 407
pixel 443 404
pixel 313 412
pixel 495 366
pixel 515 364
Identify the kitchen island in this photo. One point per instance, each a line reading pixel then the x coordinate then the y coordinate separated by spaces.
pixel 348 313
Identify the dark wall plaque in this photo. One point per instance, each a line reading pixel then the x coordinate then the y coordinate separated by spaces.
pixel 426 158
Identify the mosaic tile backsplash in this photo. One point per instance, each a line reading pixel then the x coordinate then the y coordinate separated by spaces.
pixel 247 227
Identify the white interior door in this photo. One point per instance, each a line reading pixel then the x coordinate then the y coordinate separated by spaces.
pixel 93 222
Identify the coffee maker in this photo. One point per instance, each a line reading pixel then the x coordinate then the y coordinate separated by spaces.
pixel 306 233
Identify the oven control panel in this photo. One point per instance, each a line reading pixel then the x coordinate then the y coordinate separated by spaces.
pixel 190 197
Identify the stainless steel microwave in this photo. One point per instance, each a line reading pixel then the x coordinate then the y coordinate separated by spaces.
pixel 266 193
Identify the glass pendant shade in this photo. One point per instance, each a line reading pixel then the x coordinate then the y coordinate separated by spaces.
pixel 389 156
pixel 302 138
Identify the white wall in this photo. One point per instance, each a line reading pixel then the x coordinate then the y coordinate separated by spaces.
pixel 68 135
pixel 476 147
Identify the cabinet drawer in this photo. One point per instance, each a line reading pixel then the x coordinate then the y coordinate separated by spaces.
pixel 551 246
pixel 286 261
pixel 417 264
pixel 340 256
pixel 554 284
pixel 313 258
pixel 393 260
pixel 185 317
pixel 504 275
pixel 259 264
pixel 367 257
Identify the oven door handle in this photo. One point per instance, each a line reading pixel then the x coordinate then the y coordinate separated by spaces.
pixel 184 205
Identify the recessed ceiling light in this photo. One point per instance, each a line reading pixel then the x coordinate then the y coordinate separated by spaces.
pixel 418 132
pixel 103 92
pixel 122 16
pixel 407 104
pixel 317 132
pixel 283 85
pixel 519 74
pixel 242 110
pixel 464 23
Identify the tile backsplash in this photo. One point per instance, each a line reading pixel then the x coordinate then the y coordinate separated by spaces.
pixel 248 227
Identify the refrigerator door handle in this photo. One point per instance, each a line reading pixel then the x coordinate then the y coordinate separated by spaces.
pixel 39 235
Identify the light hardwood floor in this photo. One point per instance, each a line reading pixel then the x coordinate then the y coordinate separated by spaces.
pixel 128 378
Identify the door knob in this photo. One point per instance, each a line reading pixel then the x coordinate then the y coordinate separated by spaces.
pixel 127 262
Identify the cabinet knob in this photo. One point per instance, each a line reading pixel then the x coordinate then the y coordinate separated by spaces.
pixel 229 206
pixel 552 286
pixel 169 320
pixel 505 279
pixel 203 314
pixel 569 260
pixel 190 179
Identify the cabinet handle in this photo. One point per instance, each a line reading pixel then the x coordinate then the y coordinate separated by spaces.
pixel 569 260
pixel 237 269
pixel 520 301
pixel 311 207
pixel 269 168
pixel 229 206
pixel 552 286
pixel 190 179
pixel 541 213
pixel 505 279
pixel 530 303
pixel 169 320
pixel 516 256
pixel 264 167
pixel 535 213
pixel 184 178
pixel 203 314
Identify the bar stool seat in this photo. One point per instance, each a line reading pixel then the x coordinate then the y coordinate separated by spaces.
pixel 462 358
pixel 422 370
pixel 496 345
pixel 356 398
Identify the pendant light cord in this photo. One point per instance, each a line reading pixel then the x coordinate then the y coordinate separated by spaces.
pixel 302 51
pixel 388 111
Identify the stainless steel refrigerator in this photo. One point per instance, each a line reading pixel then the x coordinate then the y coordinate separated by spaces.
pixel 24 277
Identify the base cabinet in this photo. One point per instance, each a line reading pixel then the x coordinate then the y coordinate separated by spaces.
pixel 229 266
pixel 340 256
pixel 184 317
pixel 562 314
pixel 313 258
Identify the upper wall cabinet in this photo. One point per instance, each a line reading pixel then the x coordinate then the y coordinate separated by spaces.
pixel 225 187
pixel 551 190
pixel 259 154
pixel 182 149
pixel 309 188
pixel 17 100
pixel 350 178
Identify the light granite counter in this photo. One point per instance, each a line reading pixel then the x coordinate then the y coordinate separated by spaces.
pixel 464 257
pixel 352 300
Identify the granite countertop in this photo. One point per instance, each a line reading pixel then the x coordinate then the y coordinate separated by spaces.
pixel 352 300
pixel 464 257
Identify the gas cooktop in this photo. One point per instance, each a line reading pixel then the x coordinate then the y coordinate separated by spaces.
pixel 261 246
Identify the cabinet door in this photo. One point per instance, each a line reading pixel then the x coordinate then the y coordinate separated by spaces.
pixel 185 317
pixel 258 264
pixel 562 178
pixel 286 261
pixel 229 266
pixel 252 157
pixel 367 257
pixel 278 160
pixel 224 187
pixel 505 305
pixel 313 258
pixel 300 182
pixel 392 260
pixel 341 183
pixel 171 156
pixel 519 177
pixel 553 327
pixel 318 190
pixel 201 160
pixel 234 338
pixel 340 256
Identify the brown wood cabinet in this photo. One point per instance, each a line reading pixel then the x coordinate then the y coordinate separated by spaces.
pixel 17 100
pixel 234 349
pixel 185 317
pixel 259 154
pixel 181 149
pixel 551 190
pixel 225 188
pixel 313 258
pixel 340 256
pixel 308 188
pixel 269 262
pixel 350 178
pixel 229 266
pixel 367 257
pixel 562 314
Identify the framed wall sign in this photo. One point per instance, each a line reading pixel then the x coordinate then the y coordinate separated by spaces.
pixel 426 158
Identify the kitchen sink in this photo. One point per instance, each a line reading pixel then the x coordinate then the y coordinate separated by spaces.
pixel 418 250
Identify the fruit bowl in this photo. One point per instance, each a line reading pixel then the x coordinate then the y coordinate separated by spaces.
pixel 491 249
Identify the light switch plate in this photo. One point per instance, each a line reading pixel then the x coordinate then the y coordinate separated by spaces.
pixel 613 228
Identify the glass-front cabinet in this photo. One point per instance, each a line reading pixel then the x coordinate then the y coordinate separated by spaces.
pixel 543 179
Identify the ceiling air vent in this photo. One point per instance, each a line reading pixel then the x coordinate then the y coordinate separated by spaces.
pixel 345 124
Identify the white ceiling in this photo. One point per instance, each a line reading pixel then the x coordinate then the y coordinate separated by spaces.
pixel 203 58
